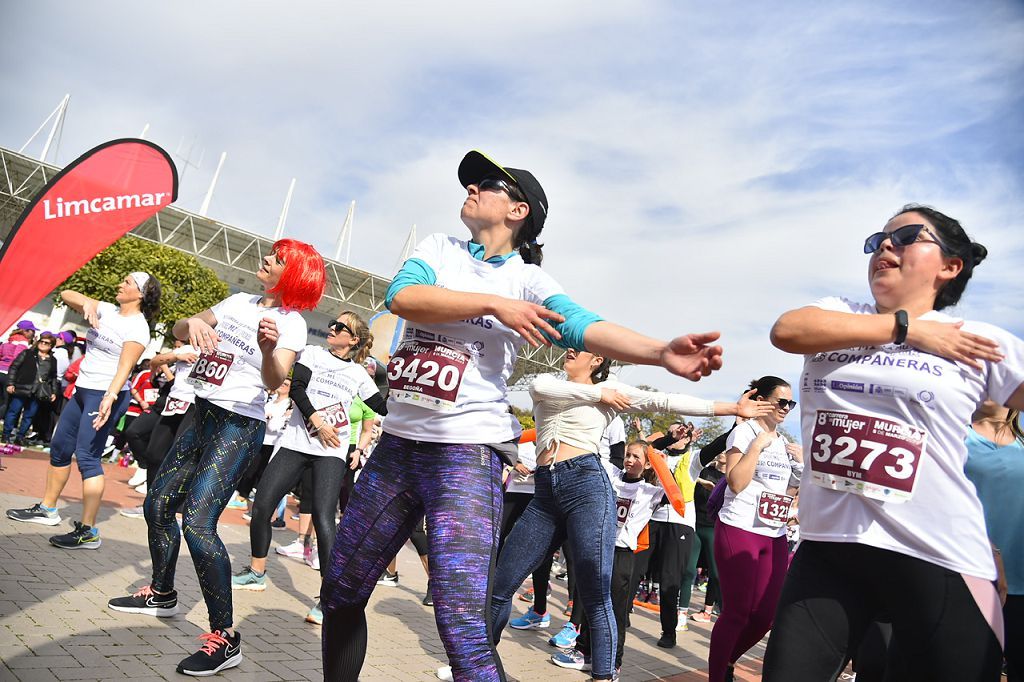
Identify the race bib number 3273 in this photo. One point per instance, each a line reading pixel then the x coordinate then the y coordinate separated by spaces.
pixel 865 455
pixel 427 374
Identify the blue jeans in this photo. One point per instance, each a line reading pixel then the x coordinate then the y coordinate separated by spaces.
pixel 30 405
pixel 574 502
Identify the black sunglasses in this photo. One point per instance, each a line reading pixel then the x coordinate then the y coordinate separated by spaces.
pixel 500 185
pixel 904 236
pixel 784 404
pixel 338 326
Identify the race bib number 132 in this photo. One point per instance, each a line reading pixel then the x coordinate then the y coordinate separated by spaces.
pixel 865 455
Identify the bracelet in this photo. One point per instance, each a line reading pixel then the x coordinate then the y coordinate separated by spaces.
pixel 902 326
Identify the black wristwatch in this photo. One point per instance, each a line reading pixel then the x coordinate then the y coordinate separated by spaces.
pixel 902 326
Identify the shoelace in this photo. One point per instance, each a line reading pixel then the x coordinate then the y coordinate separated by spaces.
pixel 213 641
pixel 146 591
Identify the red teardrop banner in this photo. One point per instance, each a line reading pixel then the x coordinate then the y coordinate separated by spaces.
pixel 93 202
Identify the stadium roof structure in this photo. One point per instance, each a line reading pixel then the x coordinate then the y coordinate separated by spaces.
pixel 233 253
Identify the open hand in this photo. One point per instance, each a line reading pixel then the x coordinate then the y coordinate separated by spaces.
pixel 750 409
pixel 948 340
pixel 201 335
pixel 691 357
pixel 529 320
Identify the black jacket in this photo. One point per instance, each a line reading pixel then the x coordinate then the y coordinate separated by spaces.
pixel 24 375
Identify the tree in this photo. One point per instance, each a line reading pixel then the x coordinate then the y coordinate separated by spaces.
pixel 711 428
pixel 525 417
pixel 187 286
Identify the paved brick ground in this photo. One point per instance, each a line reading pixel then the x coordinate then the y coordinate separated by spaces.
pixel 54 624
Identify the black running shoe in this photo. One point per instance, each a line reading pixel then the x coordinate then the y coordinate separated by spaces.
pixel 81 537
pixel 428 598
pixel 147 602
pixel 35 514
pixel 219 652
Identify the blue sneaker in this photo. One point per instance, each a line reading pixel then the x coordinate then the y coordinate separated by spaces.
pixel 571 659
pixel 248 579
pixel 315 615
pixel 531 620
pixel 566 637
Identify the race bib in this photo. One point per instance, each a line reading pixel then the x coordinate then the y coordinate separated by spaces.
pixel 175 406
pixel 336 415
pixel 864 455
pixel 427 374
pixel 622 507
pixel 210 369
pixel 773 509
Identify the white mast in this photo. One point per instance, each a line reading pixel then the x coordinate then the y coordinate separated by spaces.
pixel 213 183
pixel 346 234
pixel 284 211
pixel 58 123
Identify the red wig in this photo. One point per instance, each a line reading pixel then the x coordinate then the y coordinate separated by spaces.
pixel 304 278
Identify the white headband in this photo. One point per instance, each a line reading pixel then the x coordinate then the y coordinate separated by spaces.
pixel 141 278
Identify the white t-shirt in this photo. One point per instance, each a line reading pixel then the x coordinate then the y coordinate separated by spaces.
pixel 517 483
pixel 448 380
pixel 614 433
pixel 933 398
pixel 276 413
pixel 635 502
pixel 241 389
pixel 667 513
pixel 333 385
pixel 182 394
pixel 774 473
pixel 104 344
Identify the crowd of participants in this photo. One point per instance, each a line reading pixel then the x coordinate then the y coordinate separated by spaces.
pixel 892 545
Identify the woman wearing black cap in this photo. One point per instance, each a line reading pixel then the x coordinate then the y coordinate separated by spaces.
pixel 469 307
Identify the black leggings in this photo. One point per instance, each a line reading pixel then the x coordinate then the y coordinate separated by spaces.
pixel 251 478
pixel 834 591
pixel 284 470
pixel 140 431
pixel 666 559
pixel 200 471
pixel 161 439
pixel 514 506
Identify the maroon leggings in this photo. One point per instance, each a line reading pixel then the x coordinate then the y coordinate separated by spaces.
pixel 751 570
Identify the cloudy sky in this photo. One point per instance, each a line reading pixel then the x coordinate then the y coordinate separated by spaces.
pixel 708 165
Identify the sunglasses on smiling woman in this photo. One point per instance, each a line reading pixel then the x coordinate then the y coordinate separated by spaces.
pixel 785 404
pixel 904 236
pixel 338 327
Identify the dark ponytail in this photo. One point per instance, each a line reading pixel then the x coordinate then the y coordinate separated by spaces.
pixel 955 243
pixel 532 253
pixel 602 371
pixel 765 385
pixel 150 304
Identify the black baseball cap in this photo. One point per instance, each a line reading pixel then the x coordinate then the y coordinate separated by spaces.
pixel 476 166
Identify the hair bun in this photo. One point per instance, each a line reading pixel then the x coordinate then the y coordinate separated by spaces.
pixel 979 252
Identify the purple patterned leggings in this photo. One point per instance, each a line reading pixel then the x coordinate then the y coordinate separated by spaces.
pixel 458 488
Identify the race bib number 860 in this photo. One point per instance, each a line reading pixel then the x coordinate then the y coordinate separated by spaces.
pixel 865 455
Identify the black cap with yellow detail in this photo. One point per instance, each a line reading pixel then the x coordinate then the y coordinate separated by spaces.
pixel 476 166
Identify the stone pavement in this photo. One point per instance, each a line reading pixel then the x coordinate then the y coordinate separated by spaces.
pixel 54 624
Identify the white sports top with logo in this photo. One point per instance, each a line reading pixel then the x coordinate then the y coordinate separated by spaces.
pixel 182 393
pixel 333 386
pixel 448 380
pixel 763 506
pixel 230 378
pixel 883 430
pixel 104 343
pixel 634 503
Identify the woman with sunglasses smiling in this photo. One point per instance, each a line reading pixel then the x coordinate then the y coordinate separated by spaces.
pixel 325 382
pixel 751 552
pixel 118 334
pixel 469 306
pixel 890 524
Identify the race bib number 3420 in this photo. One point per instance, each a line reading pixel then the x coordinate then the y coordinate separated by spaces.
pixel 864 455
pixel 427 374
